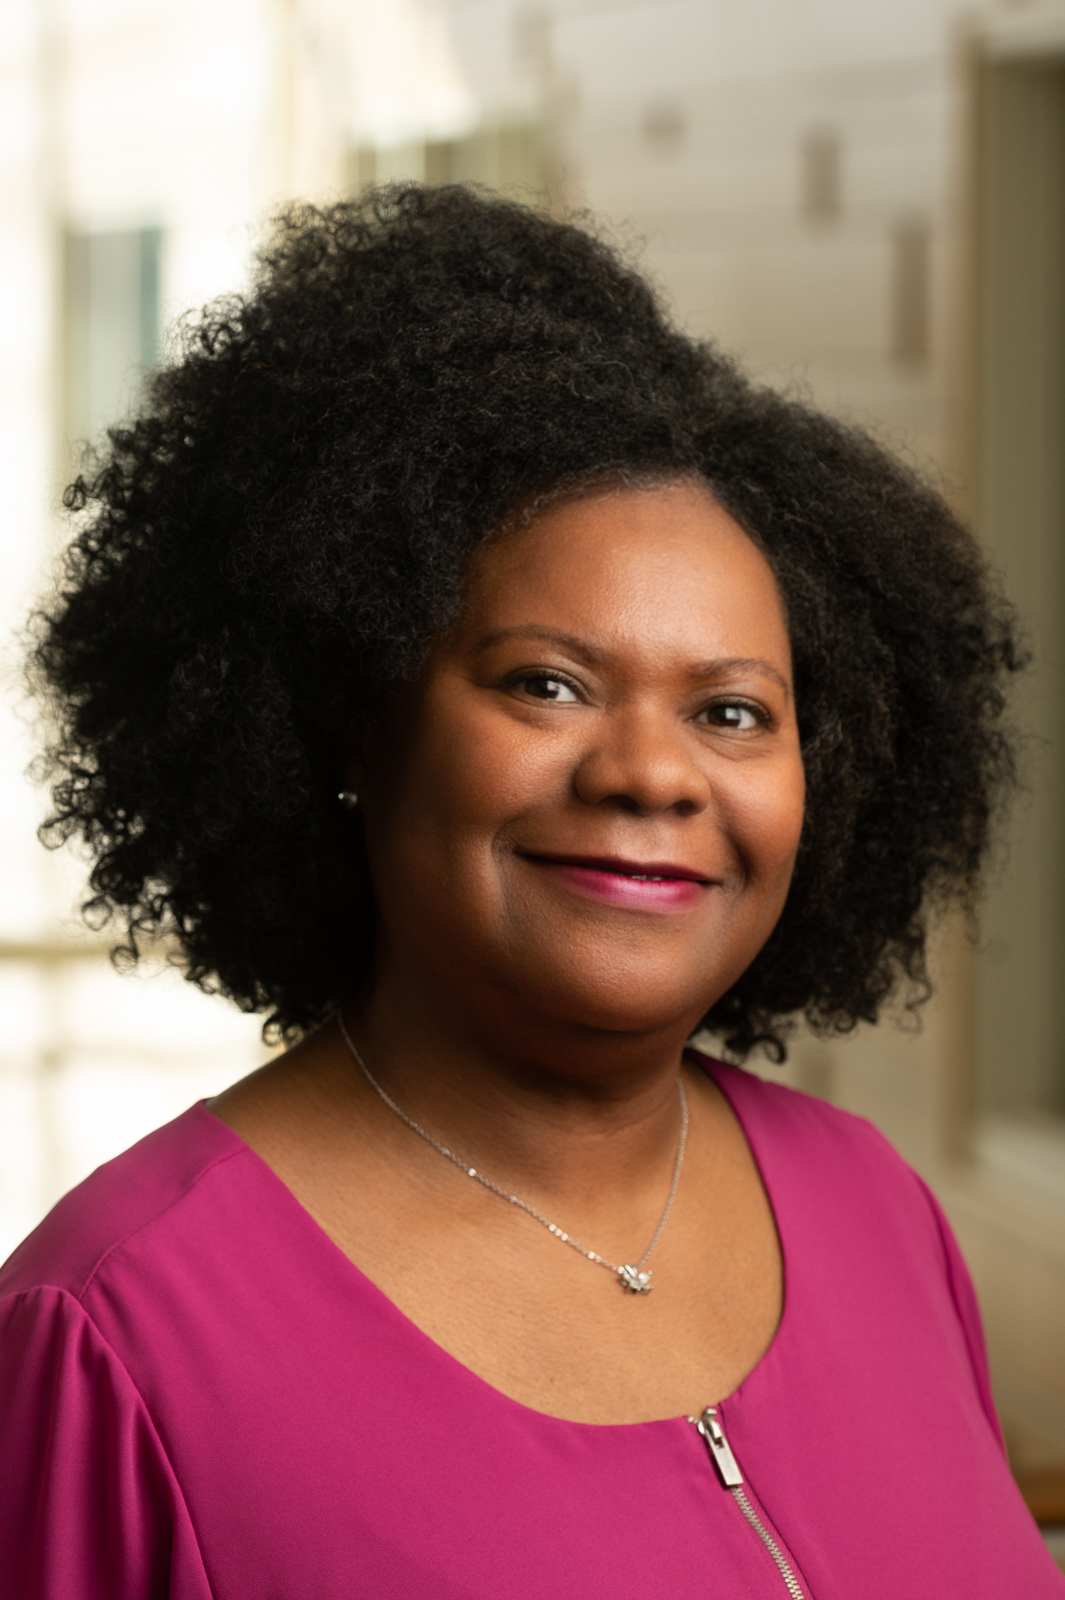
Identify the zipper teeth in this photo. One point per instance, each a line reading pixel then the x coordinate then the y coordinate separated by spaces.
pixel 770 1543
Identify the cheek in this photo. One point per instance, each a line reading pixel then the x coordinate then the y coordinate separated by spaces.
pixel 505 770
pixel 465 774
pixel 767 816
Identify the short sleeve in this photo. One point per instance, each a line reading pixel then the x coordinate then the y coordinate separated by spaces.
pixel 89 1506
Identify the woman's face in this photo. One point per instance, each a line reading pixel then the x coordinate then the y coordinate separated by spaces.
pixel 588 805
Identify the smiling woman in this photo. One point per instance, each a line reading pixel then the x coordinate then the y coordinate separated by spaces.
pixel 488 684
pixel 619 685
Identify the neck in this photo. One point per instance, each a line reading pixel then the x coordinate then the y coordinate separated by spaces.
pixel 541 1103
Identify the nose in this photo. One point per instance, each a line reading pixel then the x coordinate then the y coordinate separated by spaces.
pixel 643 761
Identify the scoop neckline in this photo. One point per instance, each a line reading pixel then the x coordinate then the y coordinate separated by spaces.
pixel 413 1331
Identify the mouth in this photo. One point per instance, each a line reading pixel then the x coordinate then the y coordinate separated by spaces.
pixel 662 886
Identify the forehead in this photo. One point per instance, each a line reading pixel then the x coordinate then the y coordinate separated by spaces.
pixel 654 570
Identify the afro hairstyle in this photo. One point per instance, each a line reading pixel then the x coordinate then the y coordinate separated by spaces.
pixel 284 529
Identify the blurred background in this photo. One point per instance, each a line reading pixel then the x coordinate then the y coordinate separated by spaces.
pixel 866 203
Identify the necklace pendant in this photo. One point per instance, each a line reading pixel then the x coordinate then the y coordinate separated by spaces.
pixel 634 1281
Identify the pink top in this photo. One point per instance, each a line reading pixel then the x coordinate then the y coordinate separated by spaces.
pixel 201 1396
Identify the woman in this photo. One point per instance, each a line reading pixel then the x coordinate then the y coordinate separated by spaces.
pixel 485 681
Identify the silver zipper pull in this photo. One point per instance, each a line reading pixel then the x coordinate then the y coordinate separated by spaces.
pixel 732 1478
pixel 720 1454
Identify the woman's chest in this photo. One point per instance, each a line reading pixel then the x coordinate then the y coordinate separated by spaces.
pixel 348 1454
pixel 348 1457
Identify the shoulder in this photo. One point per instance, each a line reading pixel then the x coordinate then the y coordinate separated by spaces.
pixel 135 1191
pixel 81 1447
pixel 850 1211
pixel 831 1168
pixel 770 1111
pixel 796 1126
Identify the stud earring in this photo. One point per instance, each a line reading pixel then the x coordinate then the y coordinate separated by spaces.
pixel 348 798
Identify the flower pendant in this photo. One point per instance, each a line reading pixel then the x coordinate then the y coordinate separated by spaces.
pixel 634 1281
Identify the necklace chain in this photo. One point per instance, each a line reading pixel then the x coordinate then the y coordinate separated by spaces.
pixel 631 1277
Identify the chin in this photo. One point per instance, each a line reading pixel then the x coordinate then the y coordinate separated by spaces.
pixel 622 1000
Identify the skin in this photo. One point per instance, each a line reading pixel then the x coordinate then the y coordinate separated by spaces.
pixel 617 690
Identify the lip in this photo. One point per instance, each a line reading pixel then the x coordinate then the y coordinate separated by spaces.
pixel 660 886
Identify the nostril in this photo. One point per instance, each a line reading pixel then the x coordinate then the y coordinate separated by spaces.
pixel 643 774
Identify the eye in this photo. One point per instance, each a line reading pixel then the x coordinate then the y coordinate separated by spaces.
pixel 547 687
pixel 737 714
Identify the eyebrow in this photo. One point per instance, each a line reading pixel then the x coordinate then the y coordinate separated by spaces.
pixel 533 630
pixel 723 664
pixel 700 670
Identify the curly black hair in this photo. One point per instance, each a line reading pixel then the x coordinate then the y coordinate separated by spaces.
pixel 286 526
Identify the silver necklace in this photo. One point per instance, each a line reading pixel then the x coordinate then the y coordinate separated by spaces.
pixel 631 1277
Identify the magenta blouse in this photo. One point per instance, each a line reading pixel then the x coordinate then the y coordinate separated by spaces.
pixel 200 1396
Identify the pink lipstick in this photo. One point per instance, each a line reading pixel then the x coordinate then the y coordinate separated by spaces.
pixel 641 886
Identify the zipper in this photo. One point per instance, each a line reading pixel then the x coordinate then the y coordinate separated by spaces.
pixel 732 1479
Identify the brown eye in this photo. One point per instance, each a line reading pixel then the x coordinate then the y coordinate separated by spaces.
pixel 554 690
pixel 735 714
